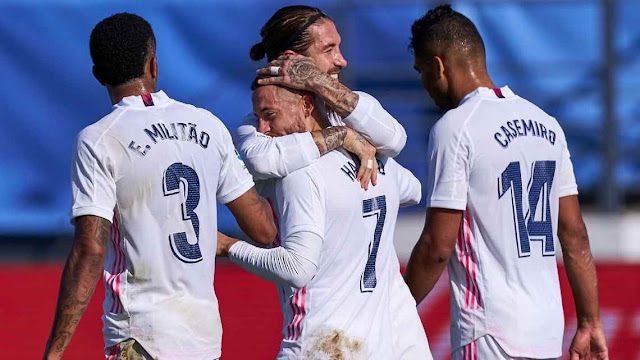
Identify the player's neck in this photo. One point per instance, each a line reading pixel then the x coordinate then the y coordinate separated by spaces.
pixel 319 121
pixel 133 88
pixel 469 82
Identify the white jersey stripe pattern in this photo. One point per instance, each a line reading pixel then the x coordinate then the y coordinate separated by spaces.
pixel 118 267
pixel 472 295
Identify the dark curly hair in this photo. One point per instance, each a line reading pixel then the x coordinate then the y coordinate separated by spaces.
pixel 287 29
pixel 444 29
pixel 120 46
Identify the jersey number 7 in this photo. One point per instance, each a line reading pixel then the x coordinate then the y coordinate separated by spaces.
pixel 376 206
pixel 527 228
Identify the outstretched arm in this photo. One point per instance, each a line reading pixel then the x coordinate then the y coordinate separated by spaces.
pixel 589 341
pixel 81 273
pixel 432 251
pixel 293 264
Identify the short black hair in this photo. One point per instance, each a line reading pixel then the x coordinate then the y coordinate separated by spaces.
pixel 443 29
pixel 120 46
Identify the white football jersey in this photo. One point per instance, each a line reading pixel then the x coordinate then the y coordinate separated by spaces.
pixel 505 163
pixel 357 306
pixel 155 168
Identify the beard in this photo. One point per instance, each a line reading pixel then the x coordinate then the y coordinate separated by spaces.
pixel 297 127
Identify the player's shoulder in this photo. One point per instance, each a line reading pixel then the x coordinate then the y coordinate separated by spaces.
pixel 452 123
pixel 199 112
pixel 95 133
pixel 300 182
pixel 534 110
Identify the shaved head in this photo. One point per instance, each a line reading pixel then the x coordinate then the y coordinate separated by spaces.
pixel 282 111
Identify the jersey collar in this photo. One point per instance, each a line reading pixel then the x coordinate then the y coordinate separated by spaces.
pixel 495 93
pixel 143 101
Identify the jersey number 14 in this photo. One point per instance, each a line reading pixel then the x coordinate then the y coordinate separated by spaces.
pixel 527 228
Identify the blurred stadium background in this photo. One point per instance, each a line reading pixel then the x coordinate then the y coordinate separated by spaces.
pixel 578 60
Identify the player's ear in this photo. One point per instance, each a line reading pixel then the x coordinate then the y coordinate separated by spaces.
pixel 308 104
pixel 153 67
pixel 96 74
pixel 438 65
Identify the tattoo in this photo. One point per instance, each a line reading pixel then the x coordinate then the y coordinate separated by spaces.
pixel 304 73
pixel 359 138
pixel 81 273
pixel 334 136
pixel 302 70
pixel 337 96
pixel 329 138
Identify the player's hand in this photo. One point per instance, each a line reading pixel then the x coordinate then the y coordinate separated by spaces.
pixel 291 70
pixel 224 244
pixel 589 343
pixel 357 144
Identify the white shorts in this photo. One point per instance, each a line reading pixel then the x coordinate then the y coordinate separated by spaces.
pixel 483 348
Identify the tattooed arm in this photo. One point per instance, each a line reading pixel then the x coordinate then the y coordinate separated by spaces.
pixel 300 72
pixel 351 140
pixel 81 273
pixel 360 111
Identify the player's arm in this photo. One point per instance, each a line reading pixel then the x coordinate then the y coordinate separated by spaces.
pixel 449 156
pixel 237 191
pixel 254 216
pixel 581 272
pixel 360 111
pixel 276 157
pixel 432 251
pixel 81 273
pixel 293 264
pixel 300 203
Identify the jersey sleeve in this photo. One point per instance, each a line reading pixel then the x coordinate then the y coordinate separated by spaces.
pixel 93 186
pixel 234 179
pixel 449 154
pixel 409 187
pixel 273 157
pixel 301 204
pixel 378 126
pixel 567 180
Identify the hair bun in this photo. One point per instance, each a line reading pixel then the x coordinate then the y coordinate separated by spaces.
pixel 257 52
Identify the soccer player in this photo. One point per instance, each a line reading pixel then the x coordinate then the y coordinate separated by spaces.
pixel 303 47
pixel 501 190
pixel 341 291
pixel 145 179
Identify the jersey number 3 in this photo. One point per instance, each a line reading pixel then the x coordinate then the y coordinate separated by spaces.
pixel 376 206
pixel 174 175
pixel 526 226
